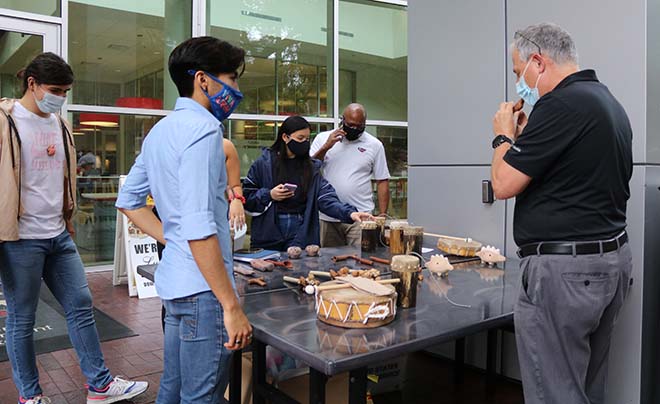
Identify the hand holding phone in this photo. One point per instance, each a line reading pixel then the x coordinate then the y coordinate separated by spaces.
pixel 290 187
pixel 280 193
pixel 335 136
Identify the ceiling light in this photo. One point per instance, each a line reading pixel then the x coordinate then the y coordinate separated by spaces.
pixel 102 120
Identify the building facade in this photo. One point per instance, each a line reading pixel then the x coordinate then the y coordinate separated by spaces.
pixel 306 57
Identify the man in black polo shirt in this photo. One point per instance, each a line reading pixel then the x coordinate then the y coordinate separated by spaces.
pixel 569 166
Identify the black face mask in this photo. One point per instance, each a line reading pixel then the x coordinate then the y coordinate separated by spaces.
pixel 300 149
pixel 352 133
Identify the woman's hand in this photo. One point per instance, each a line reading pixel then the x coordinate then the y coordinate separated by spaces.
pixel 361 216
pixel 280 193
pixel 236 214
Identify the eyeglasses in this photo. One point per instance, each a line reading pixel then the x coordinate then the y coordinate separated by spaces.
pixel 518 34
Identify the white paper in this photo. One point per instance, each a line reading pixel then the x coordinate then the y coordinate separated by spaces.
pixel 135 248
pixel 143 252
pixel 426 250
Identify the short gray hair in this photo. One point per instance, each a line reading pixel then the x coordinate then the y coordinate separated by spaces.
pixel 550 39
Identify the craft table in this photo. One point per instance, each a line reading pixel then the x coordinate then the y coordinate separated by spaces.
pixel 472 299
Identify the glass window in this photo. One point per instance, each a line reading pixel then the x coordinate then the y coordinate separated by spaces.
pixel 373 58
pixel 107 145
pixel 289 53
pixel 44 7
pixel 18 50
pixel 395 142
pixel 118 51
pixel 250 137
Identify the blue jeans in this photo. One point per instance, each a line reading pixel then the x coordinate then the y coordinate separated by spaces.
pixel 196 365
pixel 289 224
pixel 23 264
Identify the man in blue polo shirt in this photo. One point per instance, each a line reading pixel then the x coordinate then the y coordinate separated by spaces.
pixel 182 166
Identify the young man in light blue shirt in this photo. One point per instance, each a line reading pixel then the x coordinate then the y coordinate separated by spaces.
pixel 182 167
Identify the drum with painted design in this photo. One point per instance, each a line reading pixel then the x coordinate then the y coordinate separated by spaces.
pixel 351 308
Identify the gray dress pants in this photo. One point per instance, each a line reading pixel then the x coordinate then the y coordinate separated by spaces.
pixel 564 319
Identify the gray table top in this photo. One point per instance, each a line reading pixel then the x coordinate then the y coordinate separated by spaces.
pixel 471 299
pixel 301 267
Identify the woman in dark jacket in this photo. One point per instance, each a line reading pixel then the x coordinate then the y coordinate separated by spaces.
pixel 285 191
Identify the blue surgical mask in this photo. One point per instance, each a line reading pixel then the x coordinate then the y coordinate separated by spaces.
pixel 225 101
pixel 530 95
pixel 50 104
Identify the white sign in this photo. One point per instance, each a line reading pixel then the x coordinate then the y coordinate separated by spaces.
pixel 143 252
pixel 132 249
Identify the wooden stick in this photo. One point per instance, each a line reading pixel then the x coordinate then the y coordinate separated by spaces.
pixel 257 281
pixel 449 237
pixel 519 105
pixel 321 273
pixel 291 279
pixel 362 260
pixel 348 285
pixel 243 270
pixel 380 260
pixel 338 258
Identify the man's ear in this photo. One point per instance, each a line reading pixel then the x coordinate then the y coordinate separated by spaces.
pixel 540 63
pixel 30 82
pixel 201 80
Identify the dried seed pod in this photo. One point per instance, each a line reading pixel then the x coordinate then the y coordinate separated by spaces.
pixel 312 250
pixel 294 252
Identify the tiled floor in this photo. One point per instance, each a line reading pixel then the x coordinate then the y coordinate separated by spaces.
pixel 141 357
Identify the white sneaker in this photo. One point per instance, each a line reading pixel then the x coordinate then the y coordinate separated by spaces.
pixel 118 390
pixel 35 400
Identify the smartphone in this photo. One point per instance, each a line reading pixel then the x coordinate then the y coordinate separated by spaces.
pixel 290 187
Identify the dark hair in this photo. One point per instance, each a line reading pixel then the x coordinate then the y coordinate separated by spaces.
pixel 46 68
pixel 204 53
pixel 291 125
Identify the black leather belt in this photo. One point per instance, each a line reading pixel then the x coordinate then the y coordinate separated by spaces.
pixel 577 247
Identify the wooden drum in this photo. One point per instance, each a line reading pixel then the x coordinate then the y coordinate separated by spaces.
pixel 351 308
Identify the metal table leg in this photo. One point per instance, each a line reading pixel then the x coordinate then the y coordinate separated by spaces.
pixel 317 382
pixel 357 387
pixel 459 360
pixel 236 378
pixel 258 371
pixel 491 356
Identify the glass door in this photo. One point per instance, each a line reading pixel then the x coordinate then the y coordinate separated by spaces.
pixel 20 41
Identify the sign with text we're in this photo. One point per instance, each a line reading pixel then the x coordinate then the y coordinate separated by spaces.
pixel 143 252
pixel 132 249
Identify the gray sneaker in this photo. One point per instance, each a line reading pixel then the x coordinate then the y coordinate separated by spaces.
pixel 118 389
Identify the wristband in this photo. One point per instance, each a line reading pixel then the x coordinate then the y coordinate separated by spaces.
pixel 239 197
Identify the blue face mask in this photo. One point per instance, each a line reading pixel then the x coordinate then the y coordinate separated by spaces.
pixel 225 101
pixel 50 104
pixel 530 95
